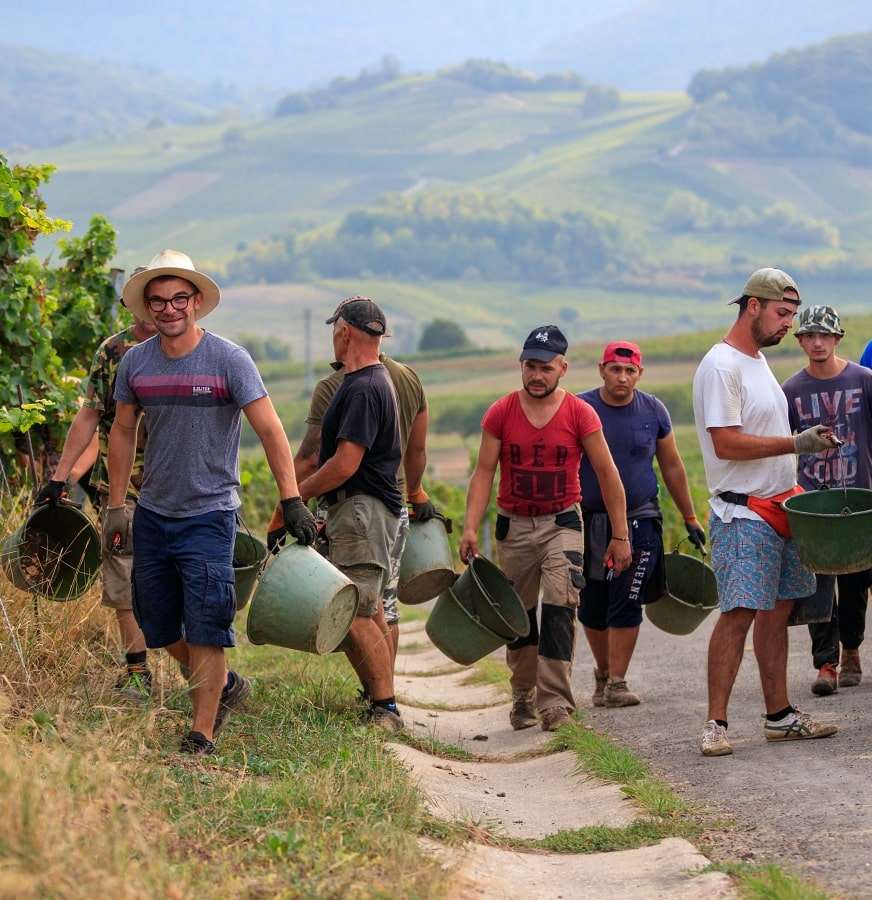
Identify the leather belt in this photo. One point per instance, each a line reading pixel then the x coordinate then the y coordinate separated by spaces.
pixel 337 496
pixel 731 497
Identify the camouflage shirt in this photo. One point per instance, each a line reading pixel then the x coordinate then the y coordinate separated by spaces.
pixel 99 395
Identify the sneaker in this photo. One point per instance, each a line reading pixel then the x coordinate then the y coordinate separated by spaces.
pixel 714 740
pixel 617 694
pixel 197 744
pixel 796 726
pixel 386 719
pixel 135 684
pixel 523 714
pixel 232 697
pixel 554 717
pixel 827 681
pixel 600 679
pixel 850 673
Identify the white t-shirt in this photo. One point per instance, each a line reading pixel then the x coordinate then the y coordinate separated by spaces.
pixel 731 388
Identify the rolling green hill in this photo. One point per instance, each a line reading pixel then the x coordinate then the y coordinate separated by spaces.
pixel 402 188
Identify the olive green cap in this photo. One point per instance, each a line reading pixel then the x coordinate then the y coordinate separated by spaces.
pixel 821 320
pixel 768 284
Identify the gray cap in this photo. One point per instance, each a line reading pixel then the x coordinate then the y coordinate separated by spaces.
pixel 768 284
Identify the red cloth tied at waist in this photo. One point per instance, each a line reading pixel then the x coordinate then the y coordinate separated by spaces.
pixel 770 509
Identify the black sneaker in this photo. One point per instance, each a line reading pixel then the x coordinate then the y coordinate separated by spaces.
pixel 197 744
pixel 135 684
pixel 235 693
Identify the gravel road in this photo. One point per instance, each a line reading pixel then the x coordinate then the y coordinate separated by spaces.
pixel 806 804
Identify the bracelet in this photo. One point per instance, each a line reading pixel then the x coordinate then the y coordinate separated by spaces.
pixel 620 539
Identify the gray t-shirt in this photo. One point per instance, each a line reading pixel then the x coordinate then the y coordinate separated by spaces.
pixel 843 403
pixel 192 416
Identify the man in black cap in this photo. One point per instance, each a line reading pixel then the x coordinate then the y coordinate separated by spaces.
pixel 357 479
pixel 537 436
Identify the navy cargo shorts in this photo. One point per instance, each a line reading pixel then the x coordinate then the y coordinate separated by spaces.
pixel 183 577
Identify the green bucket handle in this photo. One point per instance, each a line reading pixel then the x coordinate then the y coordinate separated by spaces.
pixel 241 521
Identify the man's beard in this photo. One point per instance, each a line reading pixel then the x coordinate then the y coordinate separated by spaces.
pixel 761 339
pixel 547 392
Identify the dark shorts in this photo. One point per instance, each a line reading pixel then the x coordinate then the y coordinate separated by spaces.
pixel 183 578
pixel 618 603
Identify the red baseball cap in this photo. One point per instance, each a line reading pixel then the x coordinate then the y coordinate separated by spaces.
pixel 624 352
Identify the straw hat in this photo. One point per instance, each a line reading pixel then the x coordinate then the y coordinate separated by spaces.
pixel 169 262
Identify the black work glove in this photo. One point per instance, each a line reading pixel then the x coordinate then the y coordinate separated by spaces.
pixel 298 521
pixel 275 539
pixel 423 512
pixel 51 492
pixel 695 534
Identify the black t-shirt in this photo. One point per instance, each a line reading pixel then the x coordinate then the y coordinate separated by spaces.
pixel 364 411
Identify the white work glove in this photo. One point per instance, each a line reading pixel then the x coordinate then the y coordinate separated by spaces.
pixel 815 439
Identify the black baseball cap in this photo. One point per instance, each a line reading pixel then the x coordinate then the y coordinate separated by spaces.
pixel 544 343
pixel 362 313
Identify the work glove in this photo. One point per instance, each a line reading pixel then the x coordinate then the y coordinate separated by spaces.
pixel 51 492
pixel 116 531
pixel 298 521
pixel 424 510
pixel 815 439
pixel 695 535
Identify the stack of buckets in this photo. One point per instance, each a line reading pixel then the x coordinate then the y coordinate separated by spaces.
pixel 477 614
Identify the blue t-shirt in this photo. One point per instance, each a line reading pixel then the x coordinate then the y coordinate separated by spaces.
pixel 192 417
pixel 866 358
pixel 632 432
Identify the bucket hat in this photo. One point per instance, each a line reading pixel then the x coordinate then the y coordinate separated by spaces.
pixel 819 319
pixel 169 262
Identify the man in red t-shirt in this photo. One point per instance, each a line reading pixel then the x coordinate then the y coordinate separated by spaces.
pixel 537 436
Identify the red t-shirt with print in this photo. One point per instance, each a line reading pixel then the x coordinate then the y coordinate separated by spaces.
pixel 539 466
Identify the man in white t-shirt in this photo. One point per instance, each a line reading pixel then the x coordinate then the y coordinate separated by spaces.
pixel 748 453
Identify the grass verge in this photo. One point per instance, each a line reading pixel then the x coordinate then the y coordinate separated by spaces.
pixel 490 671
pixel 767 882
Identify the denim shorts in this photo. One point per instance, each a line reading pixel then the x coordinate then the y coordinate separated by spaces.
pixel 755 566
pixel 183 577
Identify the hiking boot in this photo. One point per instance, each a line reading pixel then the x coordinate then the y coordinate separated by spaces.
pixel 600 679
pixel 523 714
pixel 797 726
pixel 554 717
pixel 827 681
pixel 197 744
pixel 386 719
pixel 714 740
pixel 617 694
pixel 850 673
pixel 235 693
pixel 135 684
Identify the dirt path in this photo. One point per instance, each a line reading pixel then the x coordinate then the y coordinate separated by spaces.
pixel 807 805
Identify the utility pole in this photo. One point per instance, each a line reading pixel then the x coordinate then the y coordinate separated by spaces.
pixel 308 371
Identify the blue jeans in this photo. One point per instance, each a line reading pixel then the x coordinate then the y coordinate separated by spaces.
pixel 183 577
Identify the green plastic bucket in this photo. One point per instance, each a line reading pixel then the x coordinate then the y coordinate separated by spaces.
pixel 55 554
pixel 458 632
pixel 249 558
pixel 691 594
pixel 302 602
pixel 832 529
pixel 486 591
pixel 427 567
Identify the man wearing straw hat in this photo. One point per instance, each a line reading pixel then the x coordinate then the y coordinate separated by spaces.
pixel 748 454
pixel 834 392
pixel 96 416
pixel 190 385
pixel 537 436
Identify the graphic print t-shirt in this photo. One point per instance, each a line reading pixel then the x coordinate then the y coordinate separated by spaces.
pixel 192 415
pixel 539 466
pixel 843 403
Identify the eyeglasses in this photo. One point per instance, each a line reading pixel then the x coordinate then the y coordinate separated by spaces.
pixel 178 301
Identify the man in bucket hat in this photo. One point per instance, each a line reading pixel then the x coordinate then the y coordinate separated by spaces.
pixel 190 385
pixel 96 416
pixel 834 392
pixel 537 436
pixel 747 449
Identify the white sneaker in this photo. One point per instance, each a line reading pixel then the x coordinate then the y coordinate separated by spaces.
pixel 797 726
pixel 714 740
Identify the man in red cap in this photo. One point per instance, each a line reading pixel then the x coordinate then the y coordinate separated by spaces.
pixel 637 429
